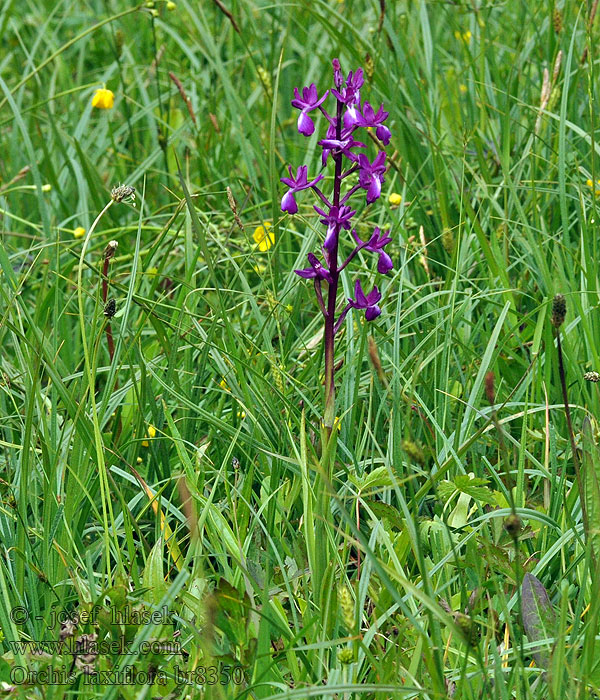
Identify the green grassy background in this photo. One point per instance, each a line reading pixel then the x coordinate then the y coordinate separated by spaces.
pixel 191 475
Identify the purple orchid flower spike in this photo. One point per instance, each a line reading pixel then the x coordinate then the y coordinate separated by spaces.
pixel 371 175
pixel 296 184
pixel 369 118
pixel 315 271
pixel 340 142
pixel 309 101
pixel 366 301
pixel 375 244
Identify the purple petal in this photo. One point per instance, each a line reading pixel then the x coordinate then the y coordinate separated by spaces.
pixel 288 203
pixel 373 296
pixel 385 264
pixel 361 299
pixel 379 162
pixel 331 238
pixel 372 312
pixel 307 273
pixel 363 161
pixel 305 124
pixel 374 191
pixel 383 134
pixel 301 177
pixel 351 117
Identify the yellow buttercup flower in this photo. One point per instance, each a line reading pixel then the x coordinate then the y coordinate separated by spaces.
pixel 590 184
pixel 79 232
pixel 151 432
pixel 263 237
pixel 103 99
pixel 463 88
pixel 465 36
pixel 395 199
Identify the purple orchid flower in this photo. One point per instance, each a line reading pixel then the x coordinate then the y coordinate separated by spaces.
pixel 375 244
pixel 369 118
pixel 366 301
pixel 338 218
pixel 343 145
pixel 350 94
pixel 315 271
pixel 296 184
pixel 309 101
pixel 371 175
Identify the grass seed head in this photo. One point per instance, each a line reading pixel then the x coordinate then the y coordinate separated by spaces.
pixel 559 310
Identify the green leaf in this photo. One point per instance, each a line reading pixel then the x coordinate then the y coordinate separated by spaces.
pixel 153 577
pixel 375 479
pixel 471 486
pixel 538 618
pixel 591 482
pixel 384 510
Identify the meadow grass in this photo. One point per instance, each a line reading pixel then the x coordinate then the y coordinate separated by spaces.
pixel 177 468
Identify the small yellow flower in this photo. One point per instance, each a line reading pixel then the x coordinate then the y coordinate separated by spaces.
pixel 263 237
pixel 46 188
pixel 465 36
pixel 223 384
pixel 151 432
pixel 337 423
pixel 395 199
pixel 103 99
pixel 79 232
pixel 463 88
pixel 590 183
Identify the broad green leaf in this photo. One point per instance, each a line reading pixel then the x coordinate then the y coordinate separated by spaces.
pixel 538 618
